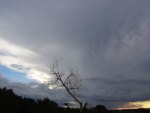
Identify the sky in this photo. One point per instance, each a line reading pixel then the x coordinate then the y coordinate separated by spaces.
pixel 107 41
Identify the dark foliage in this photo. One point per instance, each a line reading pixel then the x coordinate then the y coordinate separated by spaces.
pixel 11 103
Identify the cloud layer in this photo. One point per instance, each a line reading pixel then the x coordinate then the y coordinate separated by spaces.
pixel 107 41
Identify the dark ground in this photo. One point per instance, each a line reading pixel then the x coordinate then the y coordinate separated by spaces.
pixel 11 103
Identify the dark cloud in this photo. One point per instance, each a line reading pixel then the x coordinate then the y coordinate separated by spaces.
pixel 108 41
pixel 19 67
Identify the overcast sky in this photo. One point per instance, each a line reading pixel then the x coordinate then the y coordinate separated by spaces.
pixel 107 41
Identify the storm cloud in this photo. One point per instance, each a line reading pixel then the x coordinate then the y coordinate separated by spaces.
pixel 107 41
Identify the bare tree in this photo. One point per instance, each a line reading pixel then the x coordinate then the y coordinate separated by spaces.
pixel 70 82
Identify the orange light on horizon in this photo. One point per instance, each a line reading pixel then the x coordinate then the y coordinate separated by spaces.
pixel 135 105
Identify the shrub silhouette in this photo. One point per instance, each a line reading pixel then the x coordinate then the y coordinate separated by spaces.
pixel 11 103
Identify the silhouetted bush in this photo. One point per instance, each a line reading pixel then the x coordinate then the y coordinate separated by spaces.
pixel 11 103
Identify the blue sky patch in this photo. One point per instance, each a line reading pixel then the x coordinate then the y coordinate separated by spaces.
pixel 14 75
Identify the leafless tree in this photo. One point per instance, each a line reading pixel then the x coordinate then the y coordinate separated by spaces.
pixel 70 82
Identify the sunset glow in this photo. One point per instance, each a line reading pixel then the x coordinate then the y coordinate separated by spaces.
pixel 135 105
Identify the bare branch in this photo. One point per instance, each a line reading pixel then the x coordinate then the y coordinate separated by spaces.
pixel 68 77
pixel 70 82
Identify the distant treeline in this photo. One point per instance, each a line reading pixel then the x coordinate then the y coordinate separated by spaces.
pixel 11 103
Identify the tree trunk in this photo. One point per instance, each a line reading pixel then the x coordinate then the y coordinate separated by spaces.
pixel 82 107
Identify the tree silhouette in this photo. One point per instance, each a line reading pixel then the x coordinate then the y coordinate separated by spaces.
pixel 70 82
pixel 101 108
pixel 11 103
